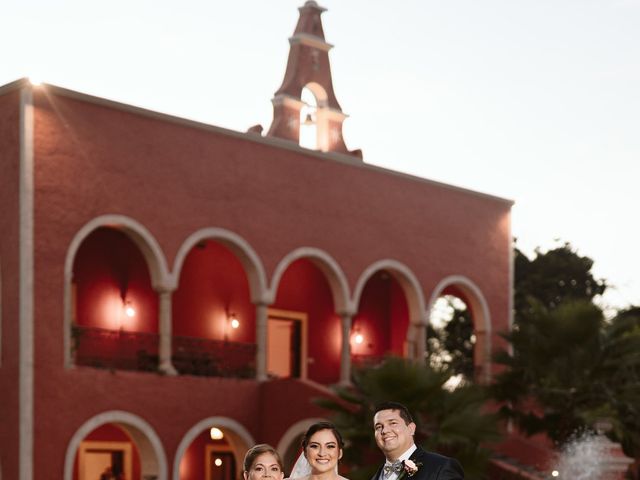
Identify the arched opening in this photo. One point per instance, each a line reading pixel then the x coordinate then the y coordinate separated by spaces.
pixel 213 317
pixel 114 314
pixel 107 452
pixel 450 336
pixel 115 442
pixel 459 333
pixel 380 326
pixel 212 450
pixel 303 331
pixel 308 119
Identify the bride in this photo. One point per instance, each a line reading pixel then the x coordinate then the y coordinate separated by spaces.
pixel 322 447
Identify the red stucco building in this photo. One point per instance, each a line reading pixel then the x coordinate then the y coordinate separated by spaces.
pixel 160 276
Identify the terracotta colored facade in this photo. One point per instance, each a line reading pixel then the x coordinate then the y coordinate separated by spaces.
pixel 106 206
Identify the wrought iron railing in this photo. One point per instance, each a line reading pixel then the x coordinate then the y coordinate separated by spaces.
pixel 115 349
pixel 367 361
pixel 125 350
pixel 213 358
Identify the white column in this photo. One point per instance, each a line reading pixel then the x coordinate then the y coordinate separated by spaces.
pixel 481 356
pixel 26 330
pixel 420 340
pixel 345 353
pixel 165 313
pixel 261 341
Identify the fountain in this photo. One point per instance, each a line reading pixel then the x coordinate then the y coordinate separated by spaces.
pixel 591 456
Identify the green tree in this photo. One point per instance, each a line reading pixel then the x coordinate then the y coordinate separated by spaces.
pixel 554 362
pixel 570 368
pixel 453 343
pixel 622 367
pixel 554 277
pixel 449 421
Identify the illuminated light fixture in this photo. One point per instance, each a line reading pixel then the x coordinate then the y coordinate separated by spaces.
pixel 233 320
pixel 216 434
pixel 555 473
pixel 358 338
pixel 218 462
pixel 129 310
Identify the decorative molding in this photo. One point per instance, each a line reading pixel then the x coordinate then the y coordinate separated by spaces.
pixel 26 252
pixel 160 277
pixel 142 431
pixel 265 140
pixel 309 40
pixel 239 246
pixel 327 265
pixel 407 280
pixel 481 317
pixel 288 101
pixel 242 441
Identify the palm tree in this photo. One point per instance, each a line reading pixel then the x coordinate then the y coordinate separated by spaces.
pixel 452 422
pixel 569 368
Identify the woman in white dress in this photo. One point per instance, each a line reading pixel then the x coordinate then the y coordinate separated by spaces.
pixel 322 447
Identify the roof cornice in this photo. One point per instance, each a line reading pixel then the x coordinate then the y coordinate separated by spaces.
pixel 249 136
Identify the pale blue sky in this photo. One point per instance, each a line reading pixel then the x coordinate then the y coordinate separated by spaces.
pixel 537 100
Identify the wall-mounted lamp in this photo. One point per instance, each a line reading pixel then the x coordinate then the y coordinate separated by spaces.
pixel 217 462
pixel 357 338
pixel 129 311
pixel 216 434
pixel 233 321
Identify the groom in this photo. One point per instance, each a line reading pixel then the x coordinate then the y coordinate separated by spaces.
pixel 394 430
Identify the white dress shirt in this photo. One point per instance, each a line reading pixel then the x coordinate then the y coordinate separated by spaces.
pixel 404 456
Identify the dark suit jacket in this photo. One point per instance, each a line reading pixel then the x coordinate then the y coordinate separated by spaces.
pixel 434 467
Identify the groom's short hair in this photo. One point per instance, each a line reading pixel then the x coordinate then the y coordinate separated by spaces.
pixel 402 410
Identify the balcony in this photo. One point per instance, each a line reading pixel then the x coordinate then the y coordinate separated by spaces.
pixel 213 358
pixel 115 349
pixel 137 351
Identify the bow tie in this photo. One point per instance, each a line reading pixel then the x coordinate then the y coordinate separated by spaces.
pixel 390 468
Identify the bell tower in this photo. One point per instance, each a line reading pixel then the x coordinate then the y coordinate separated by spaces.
pixel 305 108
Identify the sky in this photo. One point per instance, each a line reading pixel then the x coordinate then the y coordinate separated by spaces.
pixel 537 101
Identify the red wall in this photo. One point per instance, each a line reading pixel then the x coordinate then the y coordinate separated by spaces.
pixel 9 283
pixel 382 318
pixel 304 288
pixel 175 179
pixel 109 266
pixel 212 284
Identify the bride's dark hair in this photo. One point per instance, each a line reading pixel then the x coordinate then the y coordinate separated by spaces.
pixel 317 427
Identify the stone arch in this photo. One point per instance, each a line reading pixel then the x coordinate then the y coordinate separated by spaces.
pixel 239 246
pixel 144 240
pixel 292 433
pixel 319 92
pixel 239 440
pixel 326 264
pixel 481 320
pixel 413 295
pixel 152 456
pixel 407 280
